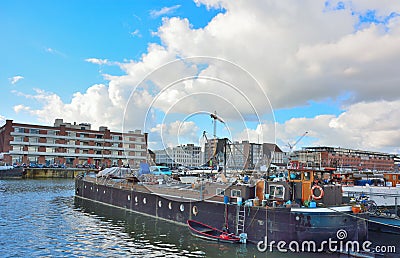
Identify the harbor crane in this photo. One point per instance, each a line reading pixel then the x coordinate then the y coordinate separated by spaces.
pixel 215 118
pixel 291 146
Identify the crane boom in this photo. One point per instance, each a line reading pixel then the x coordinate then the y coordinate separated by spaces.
pixel 298 140
pixel 215 118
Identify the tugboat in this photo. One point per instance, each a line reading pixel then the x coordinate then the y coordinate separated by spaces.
pixel 306 207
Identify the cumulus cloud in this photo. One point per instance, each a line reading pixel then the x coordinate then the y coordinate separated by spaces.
pixel 164 11
pixel 15 79
pixel 371 126
pixel 174 133
pixel 297 52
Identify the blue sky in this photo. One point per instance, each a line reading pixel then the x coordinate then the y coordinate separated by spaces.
pixel 327 67
pixel 48 42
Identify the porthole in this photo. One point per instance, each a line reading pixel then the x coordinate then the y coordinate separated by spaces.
pixel 129 197
pixel 136 200
pixel 104 191
pixel 159 204
pixel 91 188
pixel 97 189
pixel 85 186
pixel 182 207
pixel 144 200
pixel 170 205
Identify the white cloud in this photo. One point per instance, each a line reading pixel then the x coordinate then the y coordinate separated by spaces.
pixel 54 52
pixel 174 134
pixel 136 33
pixel 368 126
pixel 97 61
pixel 164 11
pixel 19 108
pixel 15 79
pixel 2 120
pixel 298 51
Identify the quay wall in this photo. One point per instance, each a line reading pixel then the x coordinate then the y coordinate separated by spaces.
pixel 52 172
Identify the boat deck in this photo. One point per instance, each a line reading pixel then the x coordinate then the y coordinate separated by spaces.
pixel 174 190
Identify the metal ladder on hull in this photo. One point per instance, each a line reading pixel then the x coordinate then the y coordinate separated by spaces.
pixel 240 219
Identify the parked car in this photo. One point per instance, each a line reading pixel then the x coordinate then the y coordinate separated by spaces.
pixel 160 170
pixel 32 165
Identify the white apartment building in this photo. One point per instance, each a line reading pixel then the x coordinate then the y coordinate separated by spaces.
pixel 183 155
pixel 70 144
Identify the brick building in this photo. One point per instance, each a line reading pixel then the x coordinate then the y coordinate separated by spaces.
pixel 348 159
pixel 70 144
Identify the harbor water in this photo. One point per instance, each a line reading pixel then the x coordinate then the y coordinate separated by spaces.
pixel 42 218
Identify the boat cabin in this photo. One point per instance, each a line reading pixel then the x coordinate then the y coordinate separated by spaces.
pixel 315 185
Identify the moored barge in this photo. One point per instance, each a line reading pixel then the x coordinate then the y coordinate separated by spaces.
pixel 305 208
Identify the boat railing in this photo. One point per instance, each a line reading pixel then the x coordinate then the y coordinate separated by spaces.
pixel 396 197
pixel 355 193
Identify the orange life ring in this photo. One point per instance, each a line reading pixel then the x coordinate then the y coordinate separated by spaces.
pixel 320 190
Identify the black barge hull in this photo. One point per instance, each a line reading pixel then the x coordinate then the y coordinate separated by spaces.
pixel 278 224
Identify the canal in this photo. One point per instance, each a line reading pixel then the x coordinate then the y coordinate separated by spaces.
pixel 42 218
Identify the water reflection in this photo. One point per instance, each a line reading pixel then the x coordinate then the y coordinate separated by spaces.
pixel 41 218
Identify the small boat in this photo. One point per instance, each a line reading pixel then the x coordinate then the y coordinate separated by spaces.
pixel 205 231
pixel 11 172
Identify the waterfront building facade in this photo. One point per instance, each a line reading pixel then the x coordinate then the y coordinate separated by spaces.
pixel 344 159
pixel 182 155
pixel 70 145
pixel 244 155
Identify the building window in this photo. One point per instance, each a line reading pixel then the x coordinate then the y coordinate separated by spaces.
pixel 18 147
pixel 34 131
pixel 50 149
pixel 19 130
pixel 18 139
pixel 33 140
pixel 115 137
pixel 32 159
pixel 32 148
pixel 71 134
pixel 50 140
pixel 51 132
pixel 16 159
